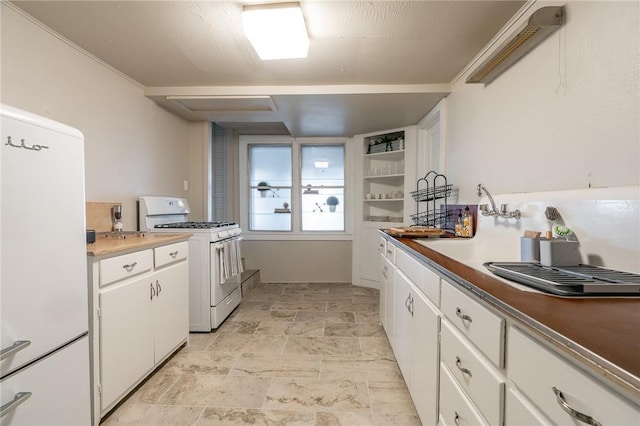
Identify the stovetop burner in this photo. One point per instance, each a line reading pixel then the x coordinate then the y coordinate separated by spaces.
pixel 195 225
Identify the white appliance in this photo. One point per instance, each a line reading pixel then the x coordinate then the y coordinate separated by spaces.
pixel 44 361
pixel 214 258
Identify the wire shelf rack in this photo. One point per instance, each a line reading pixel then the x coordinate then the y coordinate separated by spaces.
pixel 433 190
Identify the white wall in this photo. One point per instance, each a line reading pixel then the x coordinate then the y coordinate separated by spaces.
pixel 132 147
pixel 564 116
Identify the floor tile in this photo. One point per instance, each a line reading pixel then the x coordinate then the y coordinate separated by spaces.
pixel 145 414
pixel 240 343
pixel 277 365
pixel 257 316
pixel 238 327
pixel 367 317
pixel 153 388
pixel 327 317
pixel 218 391
pixel 200 341
pixel 238 416
pixel 301 306
pixel 307 394
pixel 359 368
pixel 323 345
pixel 376 346
pixel 291 328
pixel 338 418
pixel 351 307
pixel 255 306
pixel 390 397
pixel 201 362
pixel 354 330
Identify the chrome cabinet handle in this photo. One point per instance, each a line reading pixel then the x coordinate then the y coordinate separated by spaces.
pixel 384 271
pixel 153 291
pixel 571 411
pixel 130 266
pixel 158 288
pixel 456 418
pixel 462 316
pixel 17 346
pixel 389 252
pixel 461 368
pixel 18 399
pixel 173 254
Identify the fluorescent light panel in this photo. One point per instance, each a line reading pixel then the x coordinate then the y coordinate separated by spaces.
pixel 276 30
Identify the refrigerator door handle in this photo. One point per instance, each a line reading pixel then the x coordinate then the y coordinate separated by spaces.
pixel 17 346
pixel 14 403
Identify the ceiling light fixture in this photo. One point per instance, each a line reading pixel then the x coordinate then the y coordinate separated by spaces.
pixel 276 30
pixel 542 23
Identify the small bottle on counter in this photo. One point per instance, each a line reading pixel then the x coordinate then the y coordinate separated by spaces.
pixel 459 224
pixel 467 223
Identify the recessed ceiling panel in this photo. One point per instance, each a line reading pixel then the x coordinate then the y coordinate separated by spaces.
pixel 226 103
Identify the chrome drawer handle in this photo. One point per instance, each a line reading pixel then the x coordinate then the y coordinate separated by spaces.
pixel 17 346
pixel 158 288
pixel 456 418
pixel 173 254
pixel 461 368
pixel 153 290
pixel 384 271
pixel 572 412
pixel 18 399
pixel 462 316
pixel 130 266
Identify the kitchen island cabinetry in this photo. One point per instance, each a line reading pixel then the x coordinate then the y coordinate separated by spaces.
pixel 496 365
pixel 140 302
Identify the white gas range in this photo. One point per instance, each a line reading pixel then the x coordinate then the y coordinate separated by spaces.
pixel 214 258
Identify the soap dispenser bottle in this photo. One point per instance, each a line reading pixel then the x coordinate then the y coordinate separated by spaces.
pixel 467 223
pixel 459 224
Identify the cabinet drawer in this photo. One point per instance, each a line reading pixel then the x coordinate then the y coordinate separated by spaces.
pixel 536 370
pixel 481 326
pixel 390 252
pixel 170 253
pixel 519 411
pixel 455 408
pixel 125 266
pixel 427 281
pixel 476 376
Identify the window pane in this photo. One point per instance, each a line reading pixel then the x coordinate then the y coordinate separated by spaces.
pixel 322 179
pixel 270 210
pixel 322 209
pixel 270 188
pixel 270 164
pixel 322 165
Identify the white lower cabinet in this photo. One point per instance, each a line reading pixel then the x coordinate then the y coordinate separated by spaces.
pixel 138 320
pixel 387 272
pixel 561 392
pixel 462 366
pixel 415 345
pixel 455 408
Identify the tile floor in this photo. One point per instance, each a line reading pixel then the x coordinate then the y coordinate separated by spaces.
pixel 291 354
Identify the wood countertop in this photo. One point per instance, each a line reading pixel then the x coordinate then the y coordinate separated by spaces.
pixel 602 332
pixel 109 245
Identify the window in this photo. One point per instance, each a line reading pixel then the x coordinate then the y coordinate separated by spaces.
pixel 293 185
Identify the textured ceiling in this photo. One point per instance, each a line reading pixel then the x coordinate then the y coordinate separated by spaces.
pixel 361 53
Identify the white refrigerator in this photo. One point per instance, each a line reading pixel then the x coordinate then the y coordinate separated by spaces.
pixel 44 358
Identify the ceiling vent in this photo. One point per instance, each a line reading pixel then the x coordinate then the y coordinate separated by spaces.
pixel 542 23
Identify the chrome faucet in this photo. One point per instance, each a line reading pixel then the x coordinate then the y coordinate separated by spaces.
pixel 504 212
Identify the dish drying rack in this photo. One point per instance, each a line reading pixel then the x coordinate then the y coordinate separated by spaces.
pixel 429 189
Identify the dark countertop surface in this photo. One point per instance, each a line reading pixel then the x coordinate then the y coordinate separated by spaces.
pixel 606 329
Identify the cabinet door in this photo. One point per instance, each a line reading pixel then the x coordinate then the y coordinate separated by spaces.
pixel 126 337
pixel 423 358
pixel 170 307
pixel 384 273
pixel 401 341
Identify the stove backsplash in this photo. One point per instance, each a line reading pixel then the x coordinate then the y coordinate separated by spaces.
pixel 605 222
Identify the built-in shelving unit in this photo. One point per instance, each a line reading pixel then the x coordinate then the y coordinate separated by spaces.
pixel 384 177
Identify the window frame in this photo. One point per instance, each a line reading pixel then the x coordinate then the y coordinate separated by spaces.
pixel 296 144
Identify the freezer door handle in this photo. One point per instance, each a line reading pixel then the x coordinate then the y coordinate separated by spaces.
pixel 14 403
pixel 17 346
